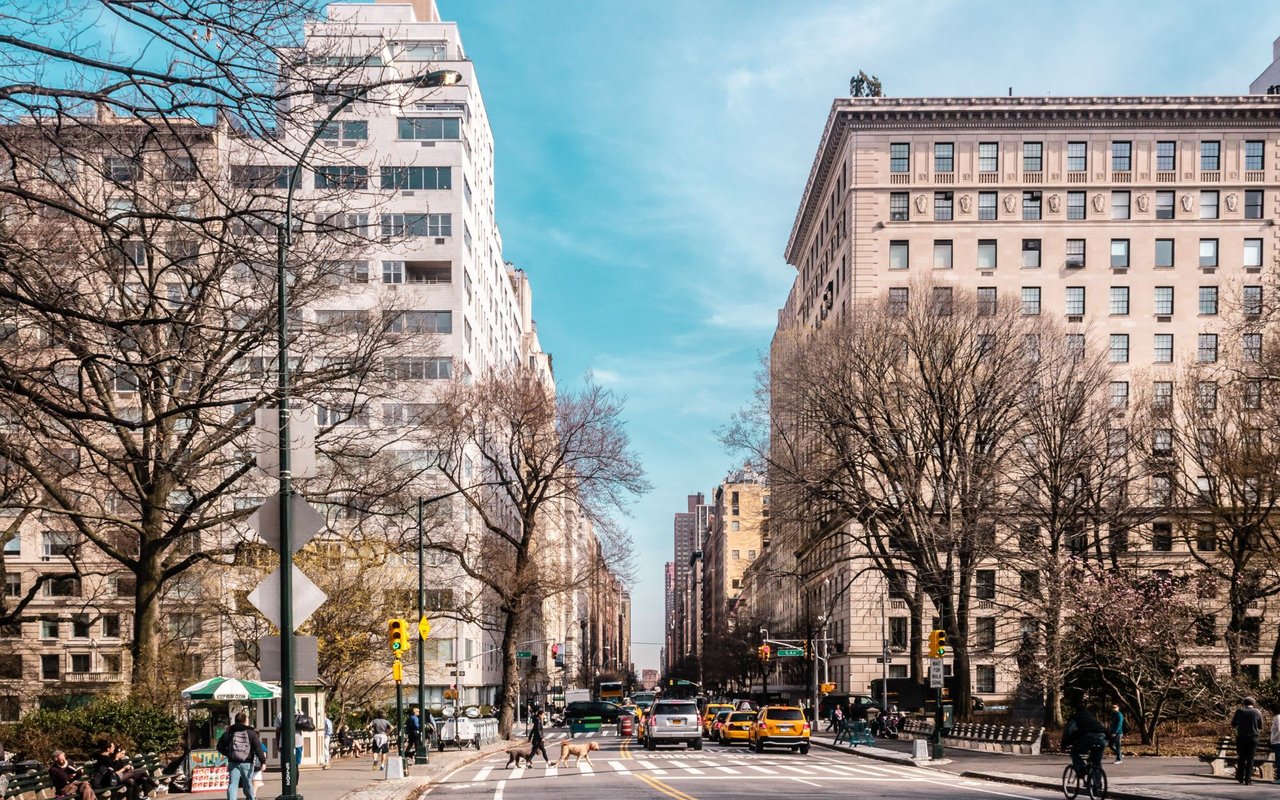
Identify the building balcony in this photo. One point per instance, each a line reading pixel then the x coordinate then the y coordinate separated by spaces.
pixel 92 677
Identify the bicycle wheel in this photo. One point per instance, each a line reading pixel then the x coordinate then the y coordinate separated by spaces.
pixel 1097 784
pixel 1070 783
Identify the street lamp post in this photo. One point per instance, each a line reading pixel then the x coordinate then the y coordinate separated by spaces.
pixel 284 238
pixel 420 751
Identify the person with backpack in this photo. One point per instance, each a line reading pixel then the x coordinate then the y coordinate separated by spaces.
pixel 242 747
pixel 381 729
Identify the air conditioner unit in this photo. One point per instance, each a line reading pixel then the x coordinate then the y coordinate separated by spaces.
pixel 428 144
pixel 1073 318
pixel 350 143
pixel 440 240
pixel 406 194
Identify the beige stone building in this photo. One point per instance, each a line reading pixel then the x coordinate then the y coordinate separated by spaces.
pixel 734 540
pixel 1147 224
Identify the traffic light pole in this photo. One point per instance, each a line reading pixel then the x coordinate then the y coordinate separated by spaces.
pixel 419 750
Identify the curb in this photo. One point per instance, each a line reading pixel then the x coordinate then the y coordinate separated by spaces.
pixel 1039 782
pixel 895 759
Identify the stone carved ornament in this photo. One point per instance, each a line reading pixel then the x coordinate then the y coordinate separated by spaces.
pixel 1055 202
pixel 966 203
pixel 1186 202
pixel 1008 203
pixel 922 204
pixel 1144 202
pixel 1232 201
pixel 1099 202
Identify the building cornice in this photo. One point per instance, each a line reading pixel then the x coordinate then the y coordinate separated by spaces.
pixel 850 115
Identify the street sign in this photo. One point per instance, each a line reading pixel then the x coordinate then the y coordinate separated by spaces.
pixel 305 522
pixel 451 663
pixel 786 652
pixel 884 660
pixel 460 673
pixel 827 688
pixel 302 441
pixel 523 654
pixel 305 658
pixel 935 673
pixel 307 597
pixel 424 628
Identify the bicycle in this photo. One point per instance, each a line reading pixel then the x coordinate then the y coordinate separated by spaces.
pixel 1093 783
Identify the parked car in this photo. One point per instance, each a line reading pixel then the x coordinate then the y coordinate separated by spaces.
pixel 672 722
pixel 783 726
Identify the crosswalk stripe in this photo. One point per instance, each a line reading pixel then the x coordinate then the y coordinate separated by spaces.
pixel 692 771
pixel 483 773
pixel 552 771
pixel 765 770
pixel 618 768
pixel 516 773
pixel 728 770
pixel 585 768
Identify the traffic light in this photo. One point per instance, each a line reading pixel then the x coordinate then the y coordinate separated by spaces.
pixel 398 635
pixel 764 651
pixel 937 644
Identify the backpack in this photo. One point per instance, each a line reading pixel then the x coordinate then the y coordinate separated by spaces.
pixel 304 723
pixel 240 748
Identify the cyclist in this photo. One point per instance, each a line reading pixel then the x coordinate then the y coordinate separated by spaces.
pixel 1084 734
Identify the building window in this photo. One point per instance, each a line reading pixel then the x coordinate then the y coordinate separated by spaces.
pixel 1207 348
pixel 1208 205
pixel 1163 354
pixel 393 272
pixel 415 368
pixel 986 301
pixel 942 254
pixel 942 206
pixel 1162 442
pixel 984 586
pixel 1162 536
pixel 111 626
pixel 984 635
pixel 988 157
pixel 1253 204
pixel 49 628
pixel 1031 205
pixel 1252 252
pixel 1030 300
pixel 1119 205
pixel 417 178
pixel 1031 253
pixel 1075 301
pixel 1209 300
pixel 50 667
pixel 986 254
pixel 1164 253
pixel 1161 489
pixel 1075 253
pixel 1162 391
pixel 1077 208
pixel 988 209
pixel 1077 156
pixel 1253 347
pixel 411 225
pixel 1032 156
pixel 900 157
pixel 1207 396
pixel 944 157
pixel 898 627
pixel 1166 156
pixel 899 255
pixel 344 130
pixel 899 206
pixel 1119 306
pixel 1119 348
pixel 899 298
pixel 12 584
pixel 1075 347
pixel 434 128
pixel 342 177
pixel 736 554
pixel 1209 252
pixel 1165 205
pixel 80 662
pixel 1119 394
pixel 1252 301
pixel 1252 398
pixel 1119 253
pixel 1121 156
pixel 80 626
pixel 1253 152
pixel 57 543
pixel 1210 156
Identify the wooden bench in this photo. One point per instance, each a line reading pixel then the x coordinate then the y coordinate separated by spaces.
pixel 855 732
pixel 26 786
pixel 1223 762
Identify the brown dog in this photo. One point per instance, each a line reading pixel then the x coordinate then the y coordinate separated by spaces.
pixel 515 754
pixel 579 751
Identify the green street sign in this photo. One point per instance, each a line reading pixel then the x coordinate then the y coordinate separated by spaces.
pixel 789 651
pixel 523 654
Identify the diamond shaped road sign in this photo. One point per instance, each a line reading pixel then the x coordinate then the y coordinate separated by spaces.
pixel 307 522
pixel 307 597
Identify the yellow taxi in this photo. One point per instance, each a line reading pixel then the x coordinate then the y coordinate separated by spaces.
pixel 781 726
pixel 709 715
pixel 737 728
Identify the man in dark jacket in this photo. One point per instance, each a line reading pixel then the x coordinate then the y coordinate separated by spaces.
pixel 1082 734
pixel 1248 724
pixel 242 748
pixel 535 737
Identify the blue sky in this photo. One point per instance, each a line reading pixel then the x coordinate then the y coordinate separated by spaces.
pixel 651 156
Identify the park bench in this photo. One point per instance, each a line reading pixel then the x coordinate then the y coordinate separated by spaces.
pixel 1223 761
pixel 855 732
pixel 36 784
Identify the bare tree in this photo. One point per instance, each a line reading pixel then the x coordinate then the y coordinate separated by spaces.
pixel 532 473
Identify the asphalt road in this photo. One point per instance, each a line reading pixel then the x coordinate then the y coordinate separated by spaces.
pixel 620 771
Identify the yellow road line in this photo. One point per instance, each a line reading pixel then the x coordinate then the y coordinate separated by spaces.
pixel 658 785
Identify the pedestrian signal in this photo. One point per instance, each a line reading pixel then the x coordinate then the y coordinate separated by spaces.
pixel 398 635
pixel 937 644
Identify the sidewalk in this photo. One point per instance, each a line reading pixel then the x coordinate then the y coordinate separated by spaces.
pixel 1138 778
pixel 355 779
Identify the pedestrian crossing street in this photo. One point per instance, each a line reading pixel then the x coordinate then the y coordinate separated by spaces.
pixel 708 764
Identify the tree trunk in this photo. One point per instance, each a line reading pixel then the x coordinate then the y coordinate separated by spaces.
pixel 145 648
pixel 510 673
pixel 916 635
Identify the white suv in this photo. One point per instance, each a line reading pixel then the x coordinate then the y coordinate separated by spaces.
pixel 672 722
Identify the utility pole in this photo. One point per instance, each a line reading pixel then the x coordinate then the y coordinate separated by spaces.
pixel 419 750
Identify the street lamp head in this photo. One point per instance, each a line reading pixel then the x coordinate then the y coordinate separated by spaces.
pixel 439 77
